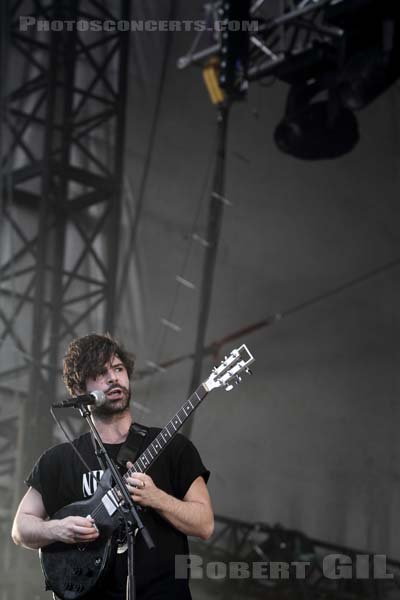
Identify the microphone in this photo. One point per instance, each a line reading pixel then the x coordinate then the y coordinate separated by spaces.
pixel 97 398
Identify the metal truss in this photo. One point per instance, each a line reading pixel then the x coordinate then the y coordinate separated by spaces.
pixel 61 173
pixel 279 32
pixel 243 545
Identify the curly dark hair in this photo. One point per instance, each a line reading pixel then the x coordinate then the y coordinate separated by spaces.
pixel 86 357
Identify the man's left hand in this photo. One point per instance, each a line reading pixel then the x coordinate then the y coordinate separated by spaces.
pixel 143 489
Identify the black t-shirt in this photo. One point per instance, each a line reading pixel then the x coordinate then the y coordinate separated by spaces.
pixel 61 478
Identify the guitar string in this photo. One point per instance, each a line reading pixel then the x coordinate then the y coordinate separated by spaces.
pixel 167 438
pixel 100 507
pixel 162 439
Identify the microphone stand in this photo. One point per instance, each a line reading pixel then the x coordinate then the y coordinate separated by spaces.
pixel 131 521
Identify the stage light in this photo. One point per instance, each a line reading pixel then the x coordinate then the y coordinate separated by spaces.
pixel 371 62
pixel 367 65
pixel 318 131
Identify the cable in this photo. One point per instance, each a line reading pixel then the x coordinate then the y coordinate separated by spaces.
pixel 83 461
pixel 202 196
pixel 215 346
pixel 148 159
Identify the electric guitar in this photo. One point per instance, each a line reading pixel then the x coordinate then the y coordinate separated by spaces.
pixel 72 570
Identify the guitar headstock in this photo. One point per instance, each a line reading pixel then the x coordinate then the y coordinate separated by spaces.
pixel 228 372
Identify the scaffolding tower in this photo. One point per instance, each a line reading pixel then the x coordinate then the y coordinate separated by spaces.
pixel 63 99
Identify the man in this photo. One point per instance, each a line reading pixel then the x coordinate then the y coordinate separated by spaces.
pixel 173 492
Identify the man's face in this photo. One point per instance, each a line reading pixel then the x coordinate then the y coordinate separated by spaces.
pixel 114 382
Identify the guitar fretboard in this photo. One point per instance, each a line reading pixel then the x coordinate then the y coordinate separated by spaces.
pixel 224 375
pixel 160 442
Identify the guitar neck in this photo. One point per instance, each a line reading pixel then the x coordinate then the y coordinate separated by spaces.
pixel 154 449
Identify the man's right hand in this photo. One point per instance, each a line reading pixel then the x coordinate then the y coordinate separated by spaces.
pixel 33 529
pixel 73 530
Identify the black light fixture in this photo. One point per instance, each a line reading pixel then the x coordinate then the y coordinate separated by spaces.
pixel 367 75
pixel 316 128
pixel 372 61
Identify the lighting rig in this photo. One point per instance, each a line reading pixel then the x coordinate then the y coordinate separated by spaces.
pixel 337 56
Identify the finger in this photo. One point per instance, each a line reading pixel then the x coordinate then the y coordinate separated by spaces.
pixel 136 490
pixel 84 530
pixel 84 522
pixel 135 482
pixel 129 464
pixel 144 479
pixel 137 499
pixel 88 532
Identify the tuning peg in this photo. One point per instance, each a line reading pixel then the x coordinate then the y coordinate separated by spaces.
pixel 228 388
pixel 248 371
pixel 238 379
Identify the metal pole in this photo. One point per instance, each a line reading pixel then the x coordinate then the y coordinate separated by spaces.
pixel 215 214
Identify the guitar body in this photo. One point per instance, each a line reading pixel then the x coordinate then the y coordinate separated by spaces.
pixel 72 570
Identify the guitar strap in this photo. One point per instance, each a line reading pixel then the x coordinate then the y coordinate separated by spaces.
pixel 133 444
pixel 130 449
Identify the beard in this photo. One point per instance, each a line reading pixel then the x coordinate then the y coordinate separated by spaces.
pixel 113 407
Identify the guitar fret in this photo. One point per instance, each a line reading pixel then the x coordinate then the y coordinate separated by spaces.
pixel 166 434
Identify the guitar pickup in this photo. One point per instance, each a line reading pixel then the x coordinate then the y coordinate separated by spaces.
pixel 110 502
